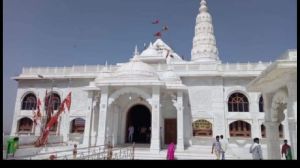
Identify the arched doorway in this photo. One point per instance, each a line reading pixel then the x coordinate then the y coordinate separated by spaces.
pixel 139 116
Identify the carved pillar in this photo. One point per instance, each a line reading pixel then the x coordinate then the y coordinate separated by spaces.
pixel 14 131
pixel 155 138
pixel 254 111
pixel 180 118
pixel 255 128
pixel 102 117
pixel 88 122
pixel 65 126
pixel 273 141
pixel 37 128
pixel 115 125
pixel 292 114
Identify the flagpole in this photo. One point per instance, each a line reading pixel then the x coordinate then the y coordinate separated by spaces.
pixel 49 101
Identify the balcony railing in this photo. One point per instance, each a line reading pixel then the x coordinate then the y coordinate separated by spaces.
pixel 93 70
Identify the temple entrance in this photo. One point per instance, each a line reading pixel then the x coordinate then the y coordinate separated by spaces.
pixel 170 131
pixel 139 117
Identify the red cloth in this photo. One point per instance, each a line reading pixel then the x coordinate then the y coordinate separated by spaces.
pixel 68 101
pixel 158 34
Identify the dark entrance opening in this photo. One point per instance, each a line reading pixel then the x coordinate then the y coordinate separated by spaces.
pixel 139 117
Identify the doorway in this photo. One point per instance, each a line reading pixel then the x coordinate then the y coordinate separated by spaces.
pixel 139 117
pixel 170 131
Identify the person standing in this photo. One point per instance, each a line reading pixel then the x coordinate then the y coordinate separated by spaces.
pixel 216 147
pixel 286 150
pixel 75 152
pixel 224 145
pixel 171 152
pixel 130 134
pixel 256 151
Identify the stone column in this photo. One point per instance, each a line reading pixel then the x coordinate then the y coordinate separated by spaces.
pixel 155 128
pixel 255 128
pixel 286 129
pixel 293 136
pixel 102 117
pixel 292 114
pixel 63 127
pixel 115 125
pixel 37 129
pixel 88 121
pixel 180 117
pixel 273 141
pixel 94 117
pixel 17 111
pixel 254 111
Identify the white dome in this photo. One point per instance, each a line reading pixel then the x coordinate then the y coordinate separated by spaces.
pixel 136 68
pixel 151 51
pixel 170 76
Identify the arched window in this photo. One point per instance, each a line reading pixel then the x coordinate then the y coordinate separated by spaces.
pixel 202 128
pixel 238 103
pixel 240 129
pixel 263 131
pixel 261 104
pixel 25 125
pixel 54 100
pixel 29 102
pixel 78 125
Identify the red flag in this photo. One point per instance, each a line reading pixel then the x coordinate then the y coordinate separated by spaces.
pixel 52 122
pixel 54 119
pixel 68 101
pixel 158 34
pixel 156 21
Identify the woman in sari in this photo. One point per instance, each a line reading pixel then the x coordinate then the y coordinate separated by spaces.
pixel 171 152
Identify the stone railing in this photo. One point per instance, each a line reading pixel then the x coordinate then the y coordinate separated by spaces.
pixel 214 67
pixel 106 152
pixel 66 70
pixel 158 67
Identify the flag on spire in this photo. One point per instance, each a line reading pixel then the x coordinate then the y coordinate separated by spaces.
pixel 158 34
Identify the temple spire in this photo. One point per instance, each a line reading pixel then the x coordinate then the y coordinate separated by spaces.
pixel 204 43
pixel 136 51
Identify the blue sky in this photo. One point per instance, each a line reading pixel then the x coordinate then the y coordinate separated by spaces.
pixel 78 32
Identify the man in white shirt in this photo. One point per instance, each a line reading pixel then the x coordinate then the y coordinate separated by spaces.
pixel 224 146
pixel 256 151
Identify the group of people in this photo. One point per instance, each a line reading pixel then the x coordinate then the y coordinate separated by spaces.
pixel 144 134
pixel 219 147
pixel 256 150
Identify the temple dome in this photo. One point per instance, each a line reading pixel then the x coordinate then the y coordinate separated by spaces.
pixel 150 51
pixel 136 68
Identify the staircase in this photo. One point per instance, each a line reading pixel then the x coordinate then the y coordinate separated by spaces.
pixel 196 152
